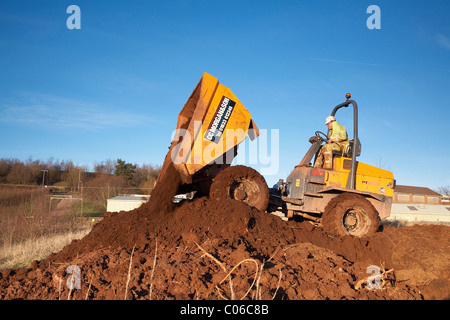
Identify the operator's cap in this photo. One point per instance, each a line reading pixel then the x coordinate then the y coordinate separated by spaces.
pixel 329 119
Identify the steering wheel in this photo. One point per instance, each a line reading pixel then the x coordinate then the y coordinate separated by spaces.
pixel 322 136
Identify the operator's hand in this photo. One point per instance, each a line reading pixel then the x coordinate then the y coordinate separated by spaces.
pixel 329 141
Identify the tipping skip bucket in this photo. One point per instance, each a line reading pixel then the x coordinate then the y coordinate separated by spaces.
pixel 211 125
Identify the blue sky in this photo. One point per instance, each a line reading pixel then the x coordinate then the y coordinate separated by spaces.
pixel 114 88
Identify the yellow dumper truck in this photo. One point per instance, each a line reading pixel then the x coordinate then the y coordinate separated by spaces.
pixel 350 198
pixel 210 127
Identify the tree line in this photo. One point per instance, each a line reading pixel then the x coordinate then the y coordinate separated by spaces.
pixel 107 173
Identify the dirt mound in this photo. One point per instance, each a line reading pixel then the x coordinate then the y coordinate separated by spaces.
pixel 230 223
pixel 203 245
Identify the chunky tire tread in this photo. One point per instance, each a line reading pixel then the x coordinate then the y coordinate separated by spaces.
pixel 220 187
pixel 332 219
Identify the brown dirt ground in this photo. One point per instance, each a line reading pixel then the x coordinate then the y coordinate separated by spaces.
pixel 223 249
pixel 266 258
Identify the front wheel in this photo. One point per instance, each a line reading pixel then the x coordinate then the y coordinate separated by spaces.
pixel 243 184
pixel 350 214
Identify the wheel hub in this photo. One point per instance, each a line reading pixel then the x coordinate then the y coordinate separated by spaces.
pixel 244 190
pixel 240 194
pixel 351 220
pixel 354 220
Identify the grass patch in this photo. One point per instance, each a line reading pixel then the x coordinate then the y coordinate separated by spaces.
pixel 33 225
pixel 89 209
pixel 21 255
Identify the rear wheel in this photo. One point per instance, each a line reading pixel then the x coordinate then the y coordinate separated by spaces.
pixel 243 184
pixel 350 214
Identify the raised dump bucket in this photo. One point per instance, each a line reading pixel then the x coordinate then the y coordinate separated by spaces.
pixel 210 126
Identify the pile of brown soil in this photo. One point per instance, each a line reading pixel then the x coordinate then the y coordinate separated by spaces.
pixel 202 243
pixel 223 249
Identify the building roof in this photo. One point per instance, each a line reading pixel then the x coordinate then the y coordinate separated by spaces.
pixel 131 197
pixel 415 190
pixel 142 197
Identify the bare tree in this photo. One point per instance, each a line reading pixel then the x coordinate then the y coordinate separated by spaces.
pixel 444 190
pixel 106 166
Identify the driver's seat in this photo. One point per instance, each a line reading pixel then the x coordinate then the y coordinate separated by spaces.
pixel 347 149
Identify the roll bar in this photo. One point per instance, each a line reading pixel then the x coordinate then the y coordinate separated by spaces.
pixel 352 175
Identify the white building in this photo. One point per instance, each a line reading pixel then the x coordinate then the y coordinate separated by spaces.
pixel 126 202
pixel 418 205
pixel 411 194
pixel 410 213
pixel 132 201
